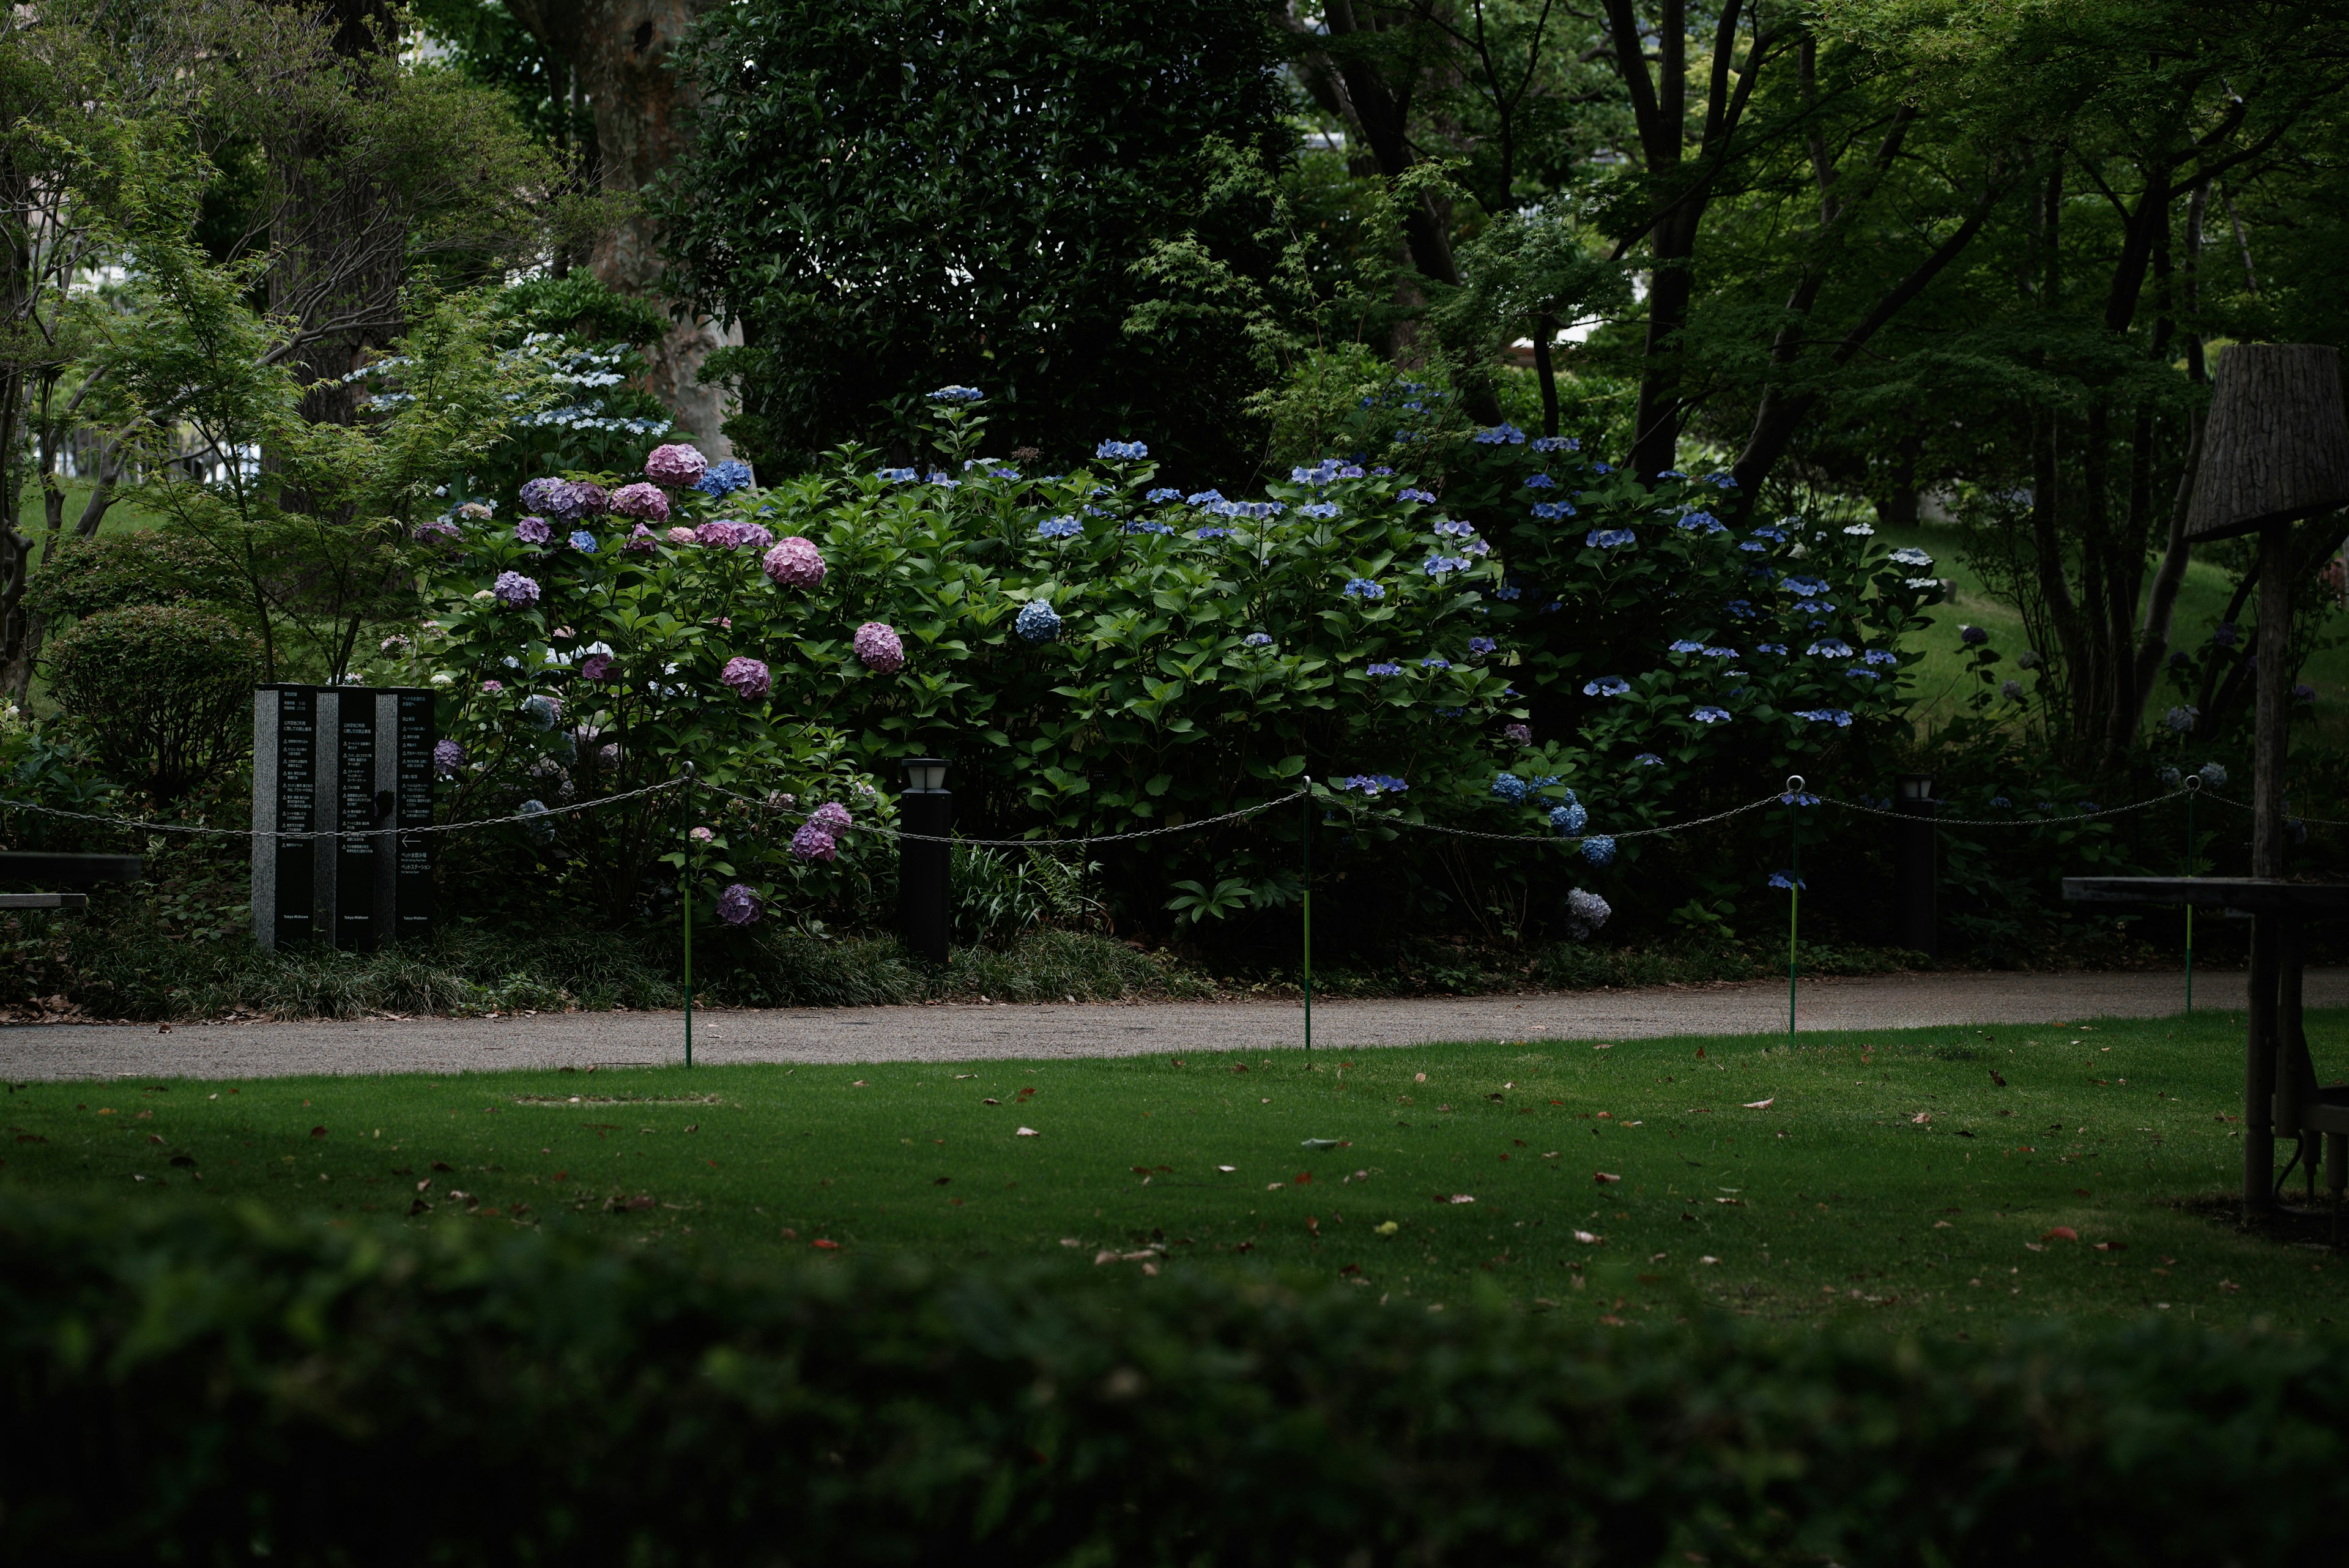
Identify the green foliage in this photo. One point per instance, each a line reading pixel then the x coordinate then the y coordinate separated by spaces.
pixel 254 1381
pixel 83 577
pixel 577 305
pixel 165 692
pixel 891 195
pixel 1000 895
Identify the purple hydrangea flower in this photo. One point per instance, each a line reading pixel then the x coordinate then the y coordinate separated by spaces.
pixel 439 531
pixel 1972 636
pixel 675 466
pixel 532 530
pixel 513 588
pixel 720 534
pixel 641 500
pixel 796 563
pixel 640 541
pixel 813 843
pixel 597 666
pixel 1517 735
pixel 879 647
pixel 447 758
pixel 543 496
pixel 833 817
pixel 738 905
pixel 748 676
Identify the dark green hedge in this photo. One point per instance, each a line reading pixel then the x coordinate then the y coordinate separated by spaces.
pixel 188 1385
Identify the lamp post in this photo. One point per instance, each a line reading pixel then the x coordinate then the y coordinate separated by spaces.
pixel 925 808
pixel 1916 916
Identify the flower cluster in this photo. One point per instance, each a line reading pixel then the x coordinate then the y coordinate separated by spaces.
pixel 641 500
pixel 1121 451
pixel 1037 623
pixel 723 479
pixel 1373 784
pixel 956 395
pixel 750 678
pixel 513 588
pixel 675 465
pixel 1606 686
pixel 1059 527
pixel 1609 538
pixel 1363 588
pixel 1502 434
pixel 794 563
pixel 879 647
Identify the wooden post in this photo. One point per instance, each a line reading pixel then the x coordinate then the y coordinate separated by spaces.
pixel 2274 699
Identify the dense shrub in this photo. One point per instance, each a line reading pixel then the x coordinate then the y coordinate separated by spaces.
pixel 165 692
pixel 83 577
pixel 1097 652
pixel 189 1383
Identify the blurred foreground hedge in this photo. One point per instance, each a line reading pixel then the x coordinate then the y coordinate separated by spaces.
pixel 186 1383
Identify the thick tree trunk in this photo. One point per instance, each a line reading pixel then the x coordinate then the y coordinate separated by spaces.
pixel 621 53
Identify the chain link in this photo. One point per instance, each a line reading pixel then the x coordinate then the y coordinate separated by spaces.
pixel 1241 814
pixel 1571 839
pixel 2011 822
pixel 2247 806
pixel 200 830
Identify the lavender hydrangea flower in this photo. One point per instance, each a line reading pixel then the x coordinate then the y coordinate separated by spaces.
pixel 675 466
pixel 722 533
pixel 1258 639
pixel 1710 715
pixel 2224 634
pixel 1382 669
pixel 723 478
pixel 877 645
pixel 1517 735
pixel 641 500
pixel 439 531
pixel 448 756
pixel 542 494
pixel 738 905
pixel 748 677
pixel 532 530
pixel 513 588
pixel 640 541
pixel 833 817
pixel 1585 912
pixel 794 563
pixel 1478 646
pixel 581 499
pixel 813 843
pixel 1059 528
pixel 1606 686
pixel 1037 623
pixel 1408 493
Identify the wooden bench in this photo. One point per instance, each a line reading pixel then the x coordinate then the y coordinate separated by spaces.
pixel 72 870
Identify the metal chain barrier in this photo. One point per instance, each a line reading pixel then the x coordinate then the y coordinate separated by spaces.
pixel 200 830
pixel 2247 806
pixel 1572 837
pixel 1241 814
pixel 1939 821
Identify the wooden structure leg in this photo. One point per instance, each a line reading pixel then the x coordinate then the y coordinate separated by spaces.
pixel 2259 1073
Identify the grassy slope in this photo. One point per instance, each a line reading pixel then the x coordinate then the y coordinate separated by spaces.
pixel 1836 1199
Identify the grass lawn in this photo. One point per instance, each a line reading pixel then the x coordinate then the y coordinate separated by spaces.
pixel 1885 1178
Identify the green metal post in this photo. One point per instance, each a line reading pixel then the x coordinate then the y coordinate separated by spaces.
pixel 1307 840
pixel 1794 894
pixel 2190 908
pixel 685 891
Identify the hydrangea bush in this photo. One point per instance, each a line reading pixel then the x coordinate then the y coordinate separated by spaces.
pixel 1511 636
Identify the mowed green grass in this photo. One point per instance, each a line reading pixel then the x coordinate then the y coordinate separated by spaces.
pixel 1884 1176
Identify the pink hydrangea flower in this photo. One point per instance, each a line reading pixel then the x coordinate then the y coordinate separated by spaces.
pixel 675 466
pixel 813 843
pixel 491 688
pixel 701 836
pixel 738 905
pixel 747 675
pixel 596 665
pixel 678 535
pixel 641 500
pixel 719 533
pixel 796 563
pixel 832 817
pixel 879 647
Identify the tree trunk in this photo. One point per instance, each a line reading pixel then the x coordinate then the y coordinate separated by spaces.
pixel 619 54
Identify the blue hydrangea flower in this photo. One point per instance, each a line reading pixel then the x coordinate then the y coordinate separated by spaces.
pixel 584 541
pixel 1551 510
pixel 1839 717
pixel 1609 538
pixel 1350 470
pixel 1148 527
pixel 1433 663
pixel 1703 523
pixel 1363 588
pixel 1649 760
pixel 1382 669
pixel 1540 482
pixel 1556 444
pixel 956 395
pixel 1511 788
pixel 1606 686
pixel 1972 636
pixel 1805 587
pixel 1121 451
pixel 1162 493
pixel 1478 646
pixel 1502 434
pixel 1720 653
pixel 1830 648
pixel 1778 648
pixel 2224 634
pixel 1059 528
pixel 2214 776
pixel 1799 797
pixel 1909 556
pixel 1602 468
pixel 1740 608
pixel 1318 509
pixel 1437 565
pixel 1213 533
pixel 1880 656
pixel 1598 849
pixel 1671 473
pixel 1508 592
pixel 1382 472
pixel 1544 781
pixel 897 476
pixel 1686 646
pixel 1038 622
pixel 1374 784
pixel 1570 818
pixel 1787 880
pixel 1407 494
pixel 542 710
pixel 1456 530
pixel 1775 536
pixel 943 480
pixel 1753 544
pixel 1721 481
pixel 1258 639
pixel 1321 472
pixel 724 478
pixel 1202 498
pixel 1710 715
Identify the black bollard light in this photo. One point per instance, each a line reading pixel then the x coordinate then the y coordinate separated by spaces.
pixel 1915 921
pixel 926 807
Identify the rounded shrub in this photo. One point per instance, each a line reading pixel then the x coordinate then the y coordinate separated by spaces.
pixel 164 692
pixel 84 576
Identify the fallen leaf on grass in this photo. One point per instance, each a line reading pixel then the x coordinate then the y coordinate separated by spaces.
pixel 827 1246
pixel 315 1132
pixel 1388 1229
pixel 1761 1105
pixel 1586 1237
pixel 1228 1169
pixel 2061 1233
pixel 1603 1177
pixel 1920 1119
pixel 1318 1143
pixel 1027 1132
pixel 1454 1198
pixel 2112 1246
pixel 2228 1285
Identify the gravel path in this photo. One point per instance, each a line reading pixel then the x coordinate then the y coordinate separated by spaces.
pixel 947 1033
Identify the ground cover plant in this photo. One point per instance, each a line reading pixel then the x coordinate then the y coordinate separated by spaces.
pixel 1887 1178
